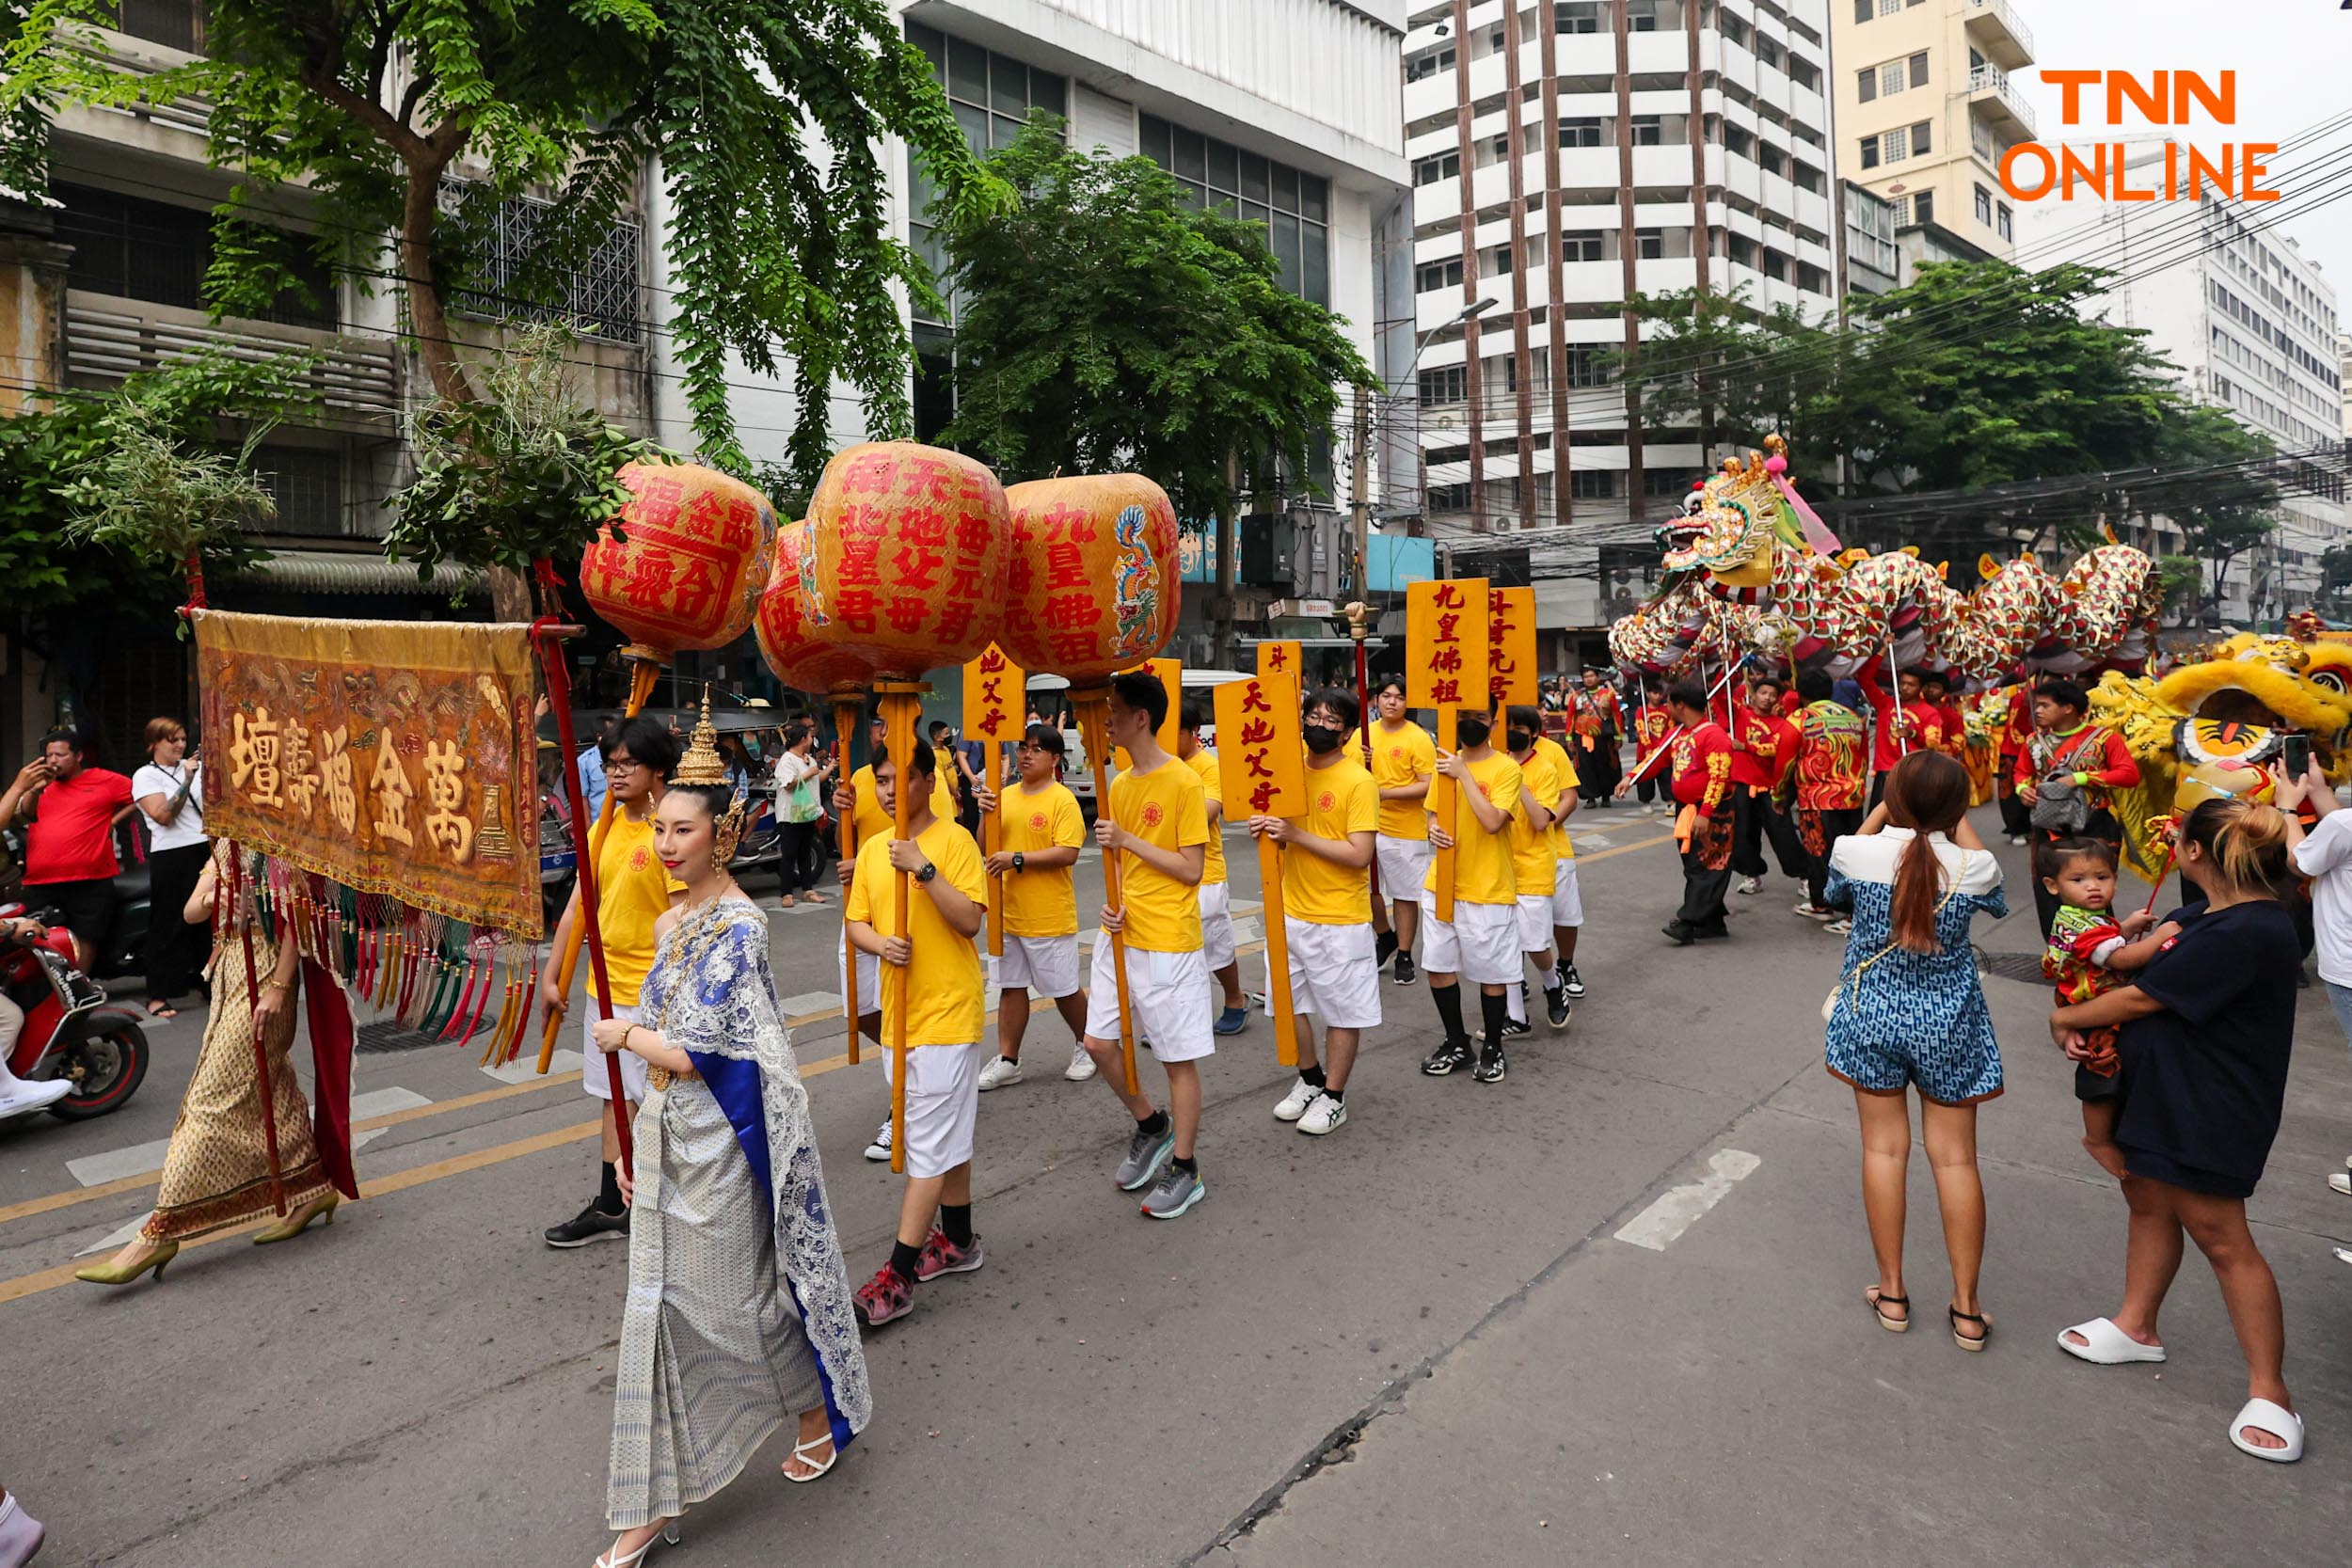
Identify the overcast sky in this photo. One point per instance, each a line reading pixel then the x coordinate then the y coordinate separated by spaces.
pixel 2293 64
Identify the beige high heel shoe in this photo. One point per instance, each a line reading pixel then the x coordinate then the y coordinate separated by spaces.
pixel 296 1223
pixel 120 1274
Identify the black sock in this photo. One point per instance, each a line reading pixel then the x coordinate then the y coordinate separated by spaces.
pixel 956 1220
pixel 902 1258
pixel 1449 1001
pixel 1155 1124
pixel 1310 1075
pixel 1497 1013
pixel 608 1192
pixel 1338 1094
pixel 1189 1164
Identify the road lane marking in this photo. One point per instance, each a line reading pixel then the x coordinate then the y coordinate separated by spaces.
pixel 526 1067
pixel 1677 1208
pixel 98 1170
pixel 1625 848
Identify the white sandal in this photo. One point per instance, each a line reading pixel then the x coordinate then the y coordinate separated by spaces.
pixel 800 1451
pixel 666 1536
pixel 2276 1419
pixel 2107 1345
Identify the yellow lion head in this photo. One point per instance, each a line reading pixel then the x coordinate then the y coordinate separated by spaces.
pixel 2271 681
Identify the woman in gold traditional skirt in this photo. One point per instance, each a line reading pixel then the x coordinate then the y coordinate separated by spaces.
pixel 216 1173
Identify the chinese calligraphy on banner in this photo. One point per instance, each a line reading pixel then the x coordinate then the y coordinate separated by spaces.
pixel 1446 627
pixel 1170 673
pixel 995 698
pixel 395 757
pixel 1511 639
pixel 1282 659
pixel 1261 762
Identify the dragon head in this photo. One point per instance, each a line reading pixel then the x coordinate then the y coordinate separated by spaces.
pixel 1729 532
pixel 2275 682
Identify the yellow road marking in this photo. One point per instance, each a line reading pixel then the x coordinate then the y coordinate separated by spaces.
pixel 1625 848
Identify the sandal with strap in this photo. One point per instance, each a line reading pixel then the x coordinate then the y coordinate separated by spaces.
pixel 804 1451
pixel 666 1536
pixel 1965 1341
pixel 1878 1305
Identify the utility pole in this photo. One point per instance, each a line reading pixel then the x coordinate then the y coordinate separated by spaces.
pixel 1359 494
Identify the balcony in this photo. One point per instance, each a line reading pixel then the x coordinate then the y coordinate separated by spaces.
pixel 1991 95
pixel 1993 28
pixel 355 383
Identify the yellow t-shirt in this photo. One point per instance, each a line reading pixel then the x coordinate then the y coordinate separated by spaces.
pixel 1166 810
pixel 1203 763
pixel 1481 861
pixel 945 986
pixel 1039 903
pixel 1341 799
pixel 633 891
pixel 1533 861
pixel 874 822
pixel 1398 758
pixel 1563 775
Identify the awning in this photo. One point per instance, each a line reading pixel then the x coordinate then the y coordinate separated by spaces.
pixel 351 572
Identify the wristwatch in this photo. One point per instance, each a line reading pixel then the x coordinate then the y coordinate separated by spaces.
pixel 1019 861
pixel 929 871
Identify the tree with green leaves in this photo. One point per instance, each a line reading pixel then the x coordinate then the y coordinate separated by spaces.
pixel 1712 362
pixel 2227 509
pixel 1109 324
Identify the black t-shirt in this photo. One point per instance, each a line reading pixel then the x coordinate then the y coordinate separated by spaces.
pixel 2205 1080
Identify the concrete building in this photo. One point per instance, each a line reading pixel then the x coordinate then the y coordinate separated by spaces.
pixel 2252 324
pixel 1925 108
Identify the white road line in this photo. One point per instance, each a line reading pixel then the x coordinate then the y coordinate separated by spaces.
pixel 526 1067
pixel 95 1170
pixel 808 1002
pixel 117 1237
pixel 1664 1222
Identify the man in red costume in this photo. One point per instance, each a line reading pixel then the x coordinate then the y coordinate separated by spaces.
pixel 1898 724
pixel 1699 764
pixel 1763 749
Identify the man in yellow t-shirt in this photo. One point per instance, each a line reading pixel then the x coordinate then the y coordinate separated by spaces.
pixel 943 987
pixel 1567 901
pixel 633 889
pixel 1481 942
pixel 1535 865
pixel 1157 824
pixel 1039 834
pixel 1402 759
pixel 1326 860
pixel 1216 902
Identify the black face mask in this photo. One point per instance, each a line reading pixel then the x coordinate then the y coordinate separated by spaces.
pixel 1519 740
pixel 1322 740
pixel 1472 733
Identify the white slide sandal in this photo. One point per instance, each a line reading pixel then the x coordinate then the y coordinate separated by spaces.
pixel 2107 1345
pixel 2276 1419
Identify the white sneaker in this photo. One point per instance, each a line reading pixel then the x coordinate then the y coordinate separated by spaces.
pixel 1839 926
pixel 27 1097
pixel 880 1147
pixel 1325 1115
pixel 1295 1103
pixel 2340 1181
pixel 2019 838
pixel 1081 1066
pixel 1752 884
pixel 1000 1073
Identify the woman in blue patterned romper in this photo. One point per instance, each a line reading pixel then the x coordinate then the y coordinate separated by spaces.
pixel 1908 1012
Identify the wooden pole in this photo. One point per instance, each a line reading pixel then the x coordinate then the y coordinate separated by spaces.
pixel 902 705
pixel 1441 807
pixel 1357 616
pixel 253 1008
pixel 1278 952
pixel 991 840
pixel 845 710
pixel 1093 705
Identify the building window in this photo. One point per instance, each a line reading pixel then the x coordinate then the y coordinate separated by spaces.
pixel 150 250
pixel 1869 152
pixel 1449 498
pixel 1580 133
pixel 1923 206
pixel 1431 276
pixel 1640 16
pixel 1919 69
pixel 1649 131
pixel 1425 63
pixel 1428 171
pixel 1592 484
pixel 1585 365
pixel 1578 16
pixel 1294 206
pixel 307 482
pixel 1804 73
pixel 175 23
pixel 1766 50
pixel 1662 482
pixel 1438 456
pixel 1770 159
pixel 600 297
pixel 1649 245
pixel 1895 146
pixel 2005 221
pixel 1583 245
pixel 1984 206
pixel 1890 78
pixel 1447 384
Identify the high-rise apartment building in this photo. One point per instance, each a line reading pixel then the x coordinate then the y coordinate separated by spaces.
pixel 1925 109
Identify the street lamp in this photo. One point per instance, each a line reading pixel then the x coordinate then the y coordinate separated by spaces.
pixel 1476 308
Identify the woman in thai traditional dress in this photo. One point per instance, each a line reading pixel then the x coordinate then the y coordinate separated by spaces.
pixel 738 1313
pixel 216 1173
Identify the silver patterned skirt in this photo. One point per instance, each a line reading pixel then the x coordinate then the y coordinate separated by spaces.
pixel 713 1357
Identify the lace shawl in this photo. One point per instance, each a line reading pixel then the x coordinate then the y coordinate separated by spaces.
pixel 725 1014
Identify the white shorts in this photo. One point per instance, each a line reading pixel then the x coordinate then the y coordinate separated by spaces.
pixel 1216 923
pixel 1404 866
pixel 1535 921
pixel 943 1104
pixel 1481 943
pixel 868 980
pixel 1332 973
pixel 1567 901
pixel 592 1074
pixel 1047 965
pixel 1171 996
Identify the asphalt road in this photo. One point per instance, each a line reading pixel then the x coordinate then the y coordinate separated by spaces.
pixel 1606 1312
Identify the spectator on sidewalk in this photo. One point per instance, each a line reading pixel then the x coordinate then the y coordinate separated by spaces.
pixel 2205 1035
pixel 69 861
pixel 169 790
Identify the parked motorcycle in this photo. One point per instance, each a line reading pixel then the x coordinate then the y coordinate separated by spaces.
pixel 69 1030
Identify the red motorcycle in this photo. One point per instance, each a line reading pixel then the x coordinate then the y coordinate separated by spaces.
pixel 69 1031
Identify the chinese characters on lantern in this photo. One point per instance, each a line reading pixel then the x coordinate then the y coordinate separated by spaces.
pixel 1262 764
pixel 1446 629
pixel 995 699
pixel 1511 641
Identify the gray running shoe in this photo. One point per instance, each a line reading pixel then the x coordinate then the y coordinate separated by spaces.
pixel 1146 1153
pixel 1178 1191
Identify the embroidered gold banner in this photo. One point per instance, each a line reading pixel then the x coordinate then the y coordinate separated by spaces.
pixel 396 757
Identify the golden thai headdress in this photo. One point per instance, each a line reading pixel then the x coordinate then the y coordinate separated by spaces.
pixel 703 764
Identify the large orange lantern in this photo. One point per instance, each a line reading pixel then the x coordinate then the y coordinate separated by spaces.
pixel 685 567
pixel 787 639
pixel 1094 584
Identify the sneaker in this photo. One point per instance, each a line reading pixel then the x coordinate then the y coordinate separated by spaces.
pixel 1515 1027
pixel 1491 1065
pixel 1146 1153
pixel 2019 839
pixel 1406 973
pixel 20 1534
pixel 1556 1007
pixel 1295 1103
pixel 1383 949
pixel 885 1298
pixel 2340 1181
pixel 941 1255
pixel 1325 1115
pixel 1232 1021
pixel 880 1147
pixel 2343 1255
pixel 1449 1056
pixel 590 1225
pixel 1178 1191
pixel 1752 884
pixel 1839 926
pixel 1811 911
pixel 1081 1066
pixel 28 1098
pixel 1681 935
pixel 1571 982
pixel 1000 1071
